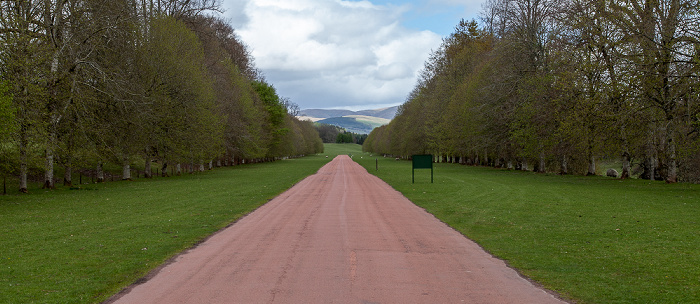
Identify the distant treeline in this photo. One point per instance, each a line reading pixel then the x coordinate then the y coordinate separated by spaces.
pixel 558 85
pixel 335 134
pixel 84 84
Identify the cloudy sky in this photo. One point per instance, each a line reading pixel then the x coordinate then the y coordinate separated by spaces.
pixel 345 53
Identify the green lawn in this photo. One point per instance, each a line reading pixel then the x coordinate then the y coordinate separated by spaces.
pixel 593 239
pixel 82 246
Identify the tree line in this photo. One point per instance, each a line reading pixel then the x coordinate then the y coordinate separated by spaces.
pixel 86 83
pixel 558 85
pixel 334 134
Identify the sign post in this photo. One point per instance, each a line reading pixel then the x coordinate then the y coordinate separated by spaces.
pixel 422 162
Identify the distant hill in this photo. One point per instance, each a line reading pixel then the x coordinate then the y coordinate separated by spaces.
pixel 386 113
pixel 360 122
pixel 324 113
pixel 349 123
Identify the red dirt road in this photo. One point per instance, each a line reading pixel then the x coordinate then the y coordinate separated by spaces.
pixel 339 236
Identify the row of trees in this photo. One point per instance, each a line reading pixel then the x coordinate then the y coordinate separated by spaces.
pixel 335 134
pixel 329 133
pixel 351 138
pixel 84 83
pixel 561 84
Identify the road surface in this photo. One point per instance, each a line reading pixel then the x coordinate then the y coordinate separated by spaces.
pixel 339 236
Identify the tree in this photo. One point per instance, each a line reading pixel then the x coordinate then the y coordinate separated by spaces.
pixel 112 81
pixel 328 133
pixel 229 67
pixel 560 81
pixel 276 113
pixel 180 122
pixel 7 128
pixel 22 57
pixel 661 37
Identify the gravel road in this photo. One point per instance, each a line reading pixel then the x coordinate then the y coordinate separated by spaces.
pixel 339 236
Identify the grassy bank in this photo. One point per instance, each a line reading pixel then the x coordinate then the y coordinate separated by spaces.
pixel 82 246
pixel 593 239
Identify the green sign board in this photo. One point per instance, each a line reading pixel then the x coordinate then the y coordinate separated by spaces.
pixel 422 162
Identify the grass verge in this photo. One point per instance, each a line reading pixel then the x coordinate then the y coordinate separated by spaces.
pixel 592 239
pixel 82 246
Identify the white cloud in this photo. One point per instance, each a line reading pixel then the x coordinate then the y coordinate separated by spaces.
pixel 333 53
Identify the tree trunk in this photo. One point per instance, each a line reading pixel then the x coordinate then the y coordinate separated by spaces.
pixel 564 169
pixel 672 165
pixel 100 173
pixel 48 174
pixel 591 165
pixel 626 157
pixel 626 170
pixel 164 169
pixel 147 171
pixel 126 170
pixel 542 168
pixel 68 174
pixel 652 168
pixel 23 168
pixel 178 169
pixel 524 165
pixel 211 164
pixel 49 182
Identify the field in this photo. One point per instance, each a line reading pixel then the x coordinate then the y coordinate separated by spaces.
pixel 82 246
pixel 592 239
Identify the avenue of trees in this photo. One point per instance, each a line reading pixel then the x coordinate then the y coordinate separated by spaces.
pixel 90 83
pixel 557 86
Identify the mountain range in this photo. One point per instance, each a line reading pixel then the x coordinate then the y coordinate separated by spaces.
pixel 360 122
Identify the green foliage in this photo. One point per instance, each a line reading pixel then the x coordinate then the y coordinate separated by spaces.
pixel 268 95
pixel 245 135
pixel 328 133
pixel 186 124
pixel 344 138
pixel 7 112
pixel 561 87
pixel 591 239
pixel 289 136
pixel 111 82
pixel 8 126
